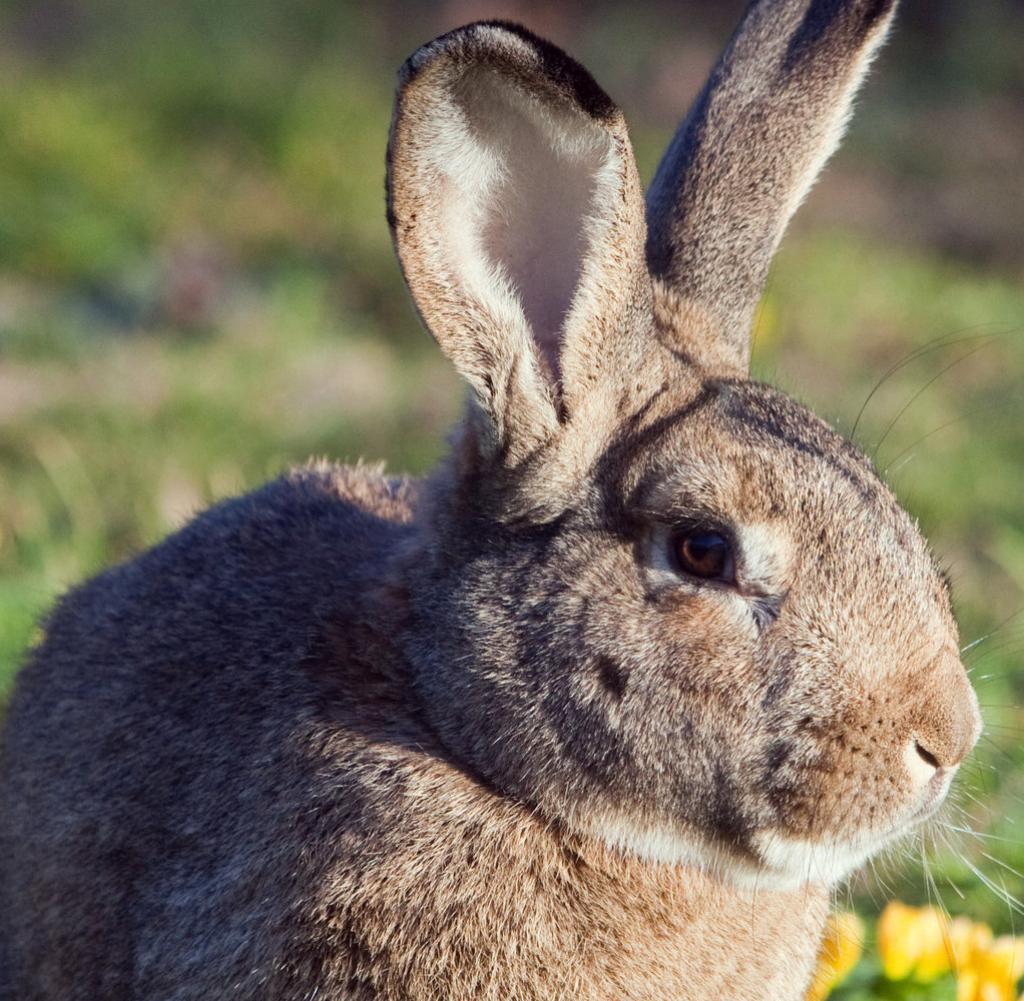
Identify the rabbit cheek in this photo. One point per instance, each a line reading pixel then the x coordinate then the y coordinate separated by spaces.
pixel 714 643
pixel 856 785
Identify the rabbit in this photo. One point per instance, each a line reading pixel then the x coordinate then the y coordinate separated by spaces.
pixel 602 708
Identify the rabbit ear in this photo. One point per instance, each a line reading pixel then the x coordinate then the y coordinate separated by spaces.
pixel 518 218
pixel 770 115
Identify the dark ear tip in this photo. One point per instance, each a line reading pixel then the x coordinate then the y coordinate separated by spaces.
pixel 494 42
pixel 879 8
pixel 857 16
pixel 845 24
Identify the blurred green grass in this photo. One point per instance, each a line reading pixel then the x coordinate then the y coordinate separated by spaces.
pixel 197 290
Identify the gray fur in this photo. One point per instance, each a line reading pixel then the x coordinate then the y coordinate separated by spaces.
pixel 771 113
pixel 351 737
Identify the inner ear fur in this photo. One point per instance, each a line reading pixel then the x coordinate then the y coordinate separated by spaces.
pixel 518 219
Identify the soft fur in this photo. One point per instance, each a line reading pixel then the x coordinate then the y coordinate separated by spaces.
pixel 360 738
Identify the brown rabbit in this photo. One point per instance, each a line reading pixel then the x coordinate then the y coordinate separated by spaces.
pixel 600 710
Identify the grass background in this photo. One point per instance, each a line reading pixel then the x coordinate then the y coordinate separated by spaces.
pixel 197 289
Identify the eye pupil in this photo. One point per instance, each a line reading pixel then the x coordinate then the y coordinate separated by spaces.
pixel 704 554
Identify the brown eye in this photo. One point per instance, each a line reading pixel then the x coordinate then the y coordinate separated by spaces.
pixel 704 553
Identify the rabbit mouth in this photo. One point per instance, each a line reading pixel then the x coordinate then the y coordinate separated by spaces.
pixel 794 861
pixel 934 796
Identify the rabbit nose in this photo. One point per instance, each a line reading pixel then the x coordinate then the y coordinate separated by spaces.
pixel 946 723
pixel 925 755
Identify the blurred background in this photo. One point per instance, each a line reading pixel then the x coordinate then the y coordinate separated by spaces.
pixel 197 289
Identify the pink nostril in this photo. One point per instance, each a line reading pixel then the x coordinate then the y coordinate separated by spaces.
pixel 926 756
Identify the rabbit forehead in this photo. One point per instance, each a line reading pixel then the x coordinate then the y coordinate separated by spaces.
pixel 754 455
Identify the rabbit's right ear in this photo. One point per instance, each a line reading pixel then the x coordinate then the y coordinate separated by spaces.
pixel 518 217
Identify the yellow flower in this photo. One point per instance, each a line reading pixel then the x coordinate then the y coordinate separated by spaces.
pixel 970 986
pixel 1004 958
pixel 967 940
pixel 987 969
pixel 895 940
pixel 840 949
pixel 994 970
pixel 913 941
pixel 923 943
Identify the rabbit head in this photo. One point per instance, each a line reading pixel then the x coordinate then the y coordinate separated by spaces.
pixel 660 603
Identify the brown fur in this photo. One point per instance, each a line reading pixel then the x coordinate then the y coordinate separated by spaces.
pixel 479 737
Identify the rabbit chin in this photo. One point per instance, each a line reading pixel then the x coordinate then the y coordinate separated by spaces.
pixel 830 862
pixel 791 862
pixel 774 861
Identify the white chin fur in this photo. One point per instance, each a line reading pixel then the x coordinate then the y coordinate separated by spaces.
pixel 660 844
pixel 795 861
pixel 784 863
pixel 803 861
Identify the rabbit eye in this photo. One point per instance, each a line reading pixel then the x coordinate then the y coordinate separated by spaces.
pixel 704 553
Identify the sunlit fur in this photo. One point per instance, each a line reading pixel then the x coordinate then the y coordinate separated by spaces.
pixel 480 738
pixel 677 718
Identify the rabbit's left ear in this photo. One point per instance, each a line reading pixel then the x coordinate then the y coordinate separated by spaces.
pixel 770 115
pixel 518 218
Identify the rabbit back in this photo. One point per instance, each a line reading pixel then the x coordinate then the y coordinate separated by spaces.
pixel 164 740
